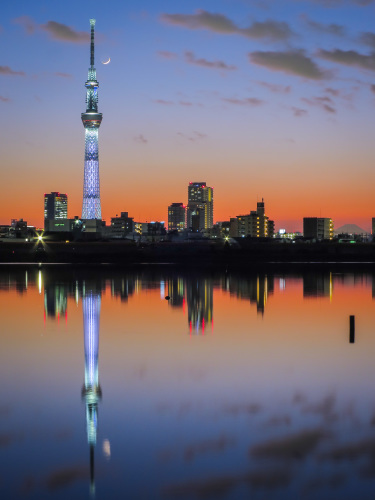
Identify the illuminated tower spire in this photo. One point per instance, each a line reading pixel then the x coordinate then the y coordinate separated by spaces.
pixel 91 120
pixel 91 391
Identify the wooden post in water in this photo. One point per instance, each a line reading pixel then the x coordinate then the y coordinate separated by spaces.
pixel 352 329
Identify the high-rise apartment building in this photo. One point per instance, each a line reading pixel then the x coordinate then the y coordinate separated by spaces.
pixel 121 226
pixel 318 228
pixel 55 206
pixel 200 209
pixel 176 217
pixel 255 224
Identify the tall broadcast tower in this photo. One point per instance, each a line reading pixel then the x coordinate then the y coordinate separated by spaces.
pixel 91 120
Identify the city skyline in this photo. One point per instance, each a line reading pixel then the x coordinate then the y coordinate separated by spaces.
pixel 259 99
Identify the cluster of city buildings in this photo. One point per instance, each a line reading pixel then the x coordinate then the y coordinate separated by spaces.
pixel 192 221
pixel 185 222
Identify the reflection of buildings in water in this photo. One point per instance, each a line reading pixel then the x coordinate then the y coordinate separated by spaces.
pixel 123 288
pixel 55 300
pixel 91 391
pixel 264 286
pixel 57 293
pixel 176 291
pixel 317 285
pixel 199 295
pixel 17 280
pixel 255 288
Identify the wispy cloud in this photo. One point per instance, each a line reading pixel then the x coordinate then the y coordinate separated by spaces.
pixel 299 111
pixel 184 103
pixel 165 54
pixel 330 29
pixel 195 136
pixel 140 139
pixel 63 75
pixel 4 99
pixel 164 102
pixel 64 33
pixel 291 62
pixel 334 92
pixel 368 38
pixel 191 59
pixel 6 70
pixel 372 88
pixel 324 102
pixel 273 87
pixel 349 58
pixel 247 101
pixel 339 3
pixel 55 30
pixel 219 23
pixel 27 23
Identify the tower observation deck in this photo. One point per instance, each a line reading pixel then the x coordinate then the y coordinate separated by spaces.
pixel 91 119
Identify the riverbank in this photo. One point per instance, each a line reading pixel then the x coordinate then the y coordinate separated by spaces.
pixel 209 253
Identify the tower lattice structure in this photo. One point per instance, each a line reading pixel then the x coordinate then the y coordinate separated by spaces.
pixel 91 119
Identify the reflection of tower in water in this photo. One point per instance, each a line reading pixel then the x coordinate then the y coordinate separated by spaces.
pixel 91 391
pixel 199 294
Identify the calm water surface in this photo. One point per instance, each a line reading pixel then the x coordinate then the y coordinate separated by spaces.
pixel 236 387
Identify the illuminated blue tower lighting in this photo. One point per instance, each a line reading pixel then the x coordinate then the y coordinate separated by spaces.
pixel 91 391
pixel 91 119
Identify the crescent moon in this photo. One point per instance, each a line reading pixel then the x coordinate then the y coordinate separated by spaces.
pixel 107 62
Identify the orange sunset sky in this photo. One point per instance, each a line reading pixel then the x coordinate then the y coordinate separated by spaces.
pixel 258 99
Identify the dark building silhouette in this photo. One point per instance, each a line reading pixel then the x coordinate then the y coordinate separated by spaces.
pixel 121 226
